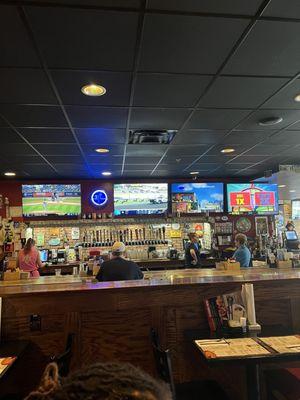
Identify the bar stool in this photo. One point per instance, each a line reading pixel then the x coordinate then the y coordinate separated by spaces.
pixel 194 390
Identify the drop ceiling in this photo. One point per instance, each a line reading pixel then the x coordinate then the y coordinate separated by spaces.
pixel 209 69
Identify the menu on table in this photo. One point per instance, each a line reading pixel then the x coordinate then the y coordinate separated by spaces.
pixel 226 348
pixel 283 344
pixel 5 363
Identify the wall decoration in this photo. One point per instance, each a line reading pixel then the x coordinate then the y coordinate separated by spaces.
pixel 261 226
pixel 75 233
pixel 243 225
pixel 99 198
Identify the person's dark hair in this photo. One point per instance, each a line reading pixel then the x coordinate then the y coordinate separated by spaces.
pixel 102 381
pixel 28 246
pixel 192 235
pixel 289 225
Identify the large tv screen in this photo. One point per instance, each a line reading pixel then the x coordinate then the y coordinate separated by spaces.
pixel 51 200
pixel 140 198
pixel 197 197
pixel 258 198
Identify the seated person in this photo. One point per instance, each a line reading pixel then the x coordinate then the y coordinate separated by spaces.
pixel 113 381
pixel 242 254
pixel 118 268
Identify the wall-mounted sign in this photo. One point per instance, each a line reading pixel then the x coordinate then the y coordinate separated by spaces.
pixel 99 198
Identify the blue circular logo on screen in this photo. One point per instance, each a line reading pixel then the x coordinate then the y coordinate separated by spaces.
pixel 99 198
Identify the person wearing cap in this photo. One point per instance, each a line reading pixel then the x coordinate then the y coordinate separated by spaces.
pixel 118 268
pixel 242 254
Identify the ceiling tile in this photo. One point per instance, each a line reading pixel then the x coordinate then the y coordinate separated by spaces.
pixel 186 150
pixel 295 127
pixel 22 159
pixel 137 174
pixel 57 149
pixel 285 98
pixel 104 159
pixel 33 116
pixel 185 40
pixel 162 90
pixel 205 166
pixel 240 92
pixel 287 137
pixel 85 38
pixel 16 48
pixel 64 159
pixel 216 119
pixel 40 170
pixel 207 6
pixel 252 122
pixel 97 117
pixel 47 135
pixel 220 158
pixel 268 150
pixel 69 84
pixel 248 159
pixel 100 3
pixel 15 149
pixel 155 118
pixel 178 157
pixel 139 167
pixel 101 136
pixel 199 137
pixel 142 150
pixel 281 9
pixel 277 52
pixel 246 137
pixel 9 136
pixel 27 86
pixel 141 160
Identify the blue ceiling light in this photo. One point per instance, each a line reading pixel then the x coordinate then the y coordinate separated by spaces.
pixel 99 198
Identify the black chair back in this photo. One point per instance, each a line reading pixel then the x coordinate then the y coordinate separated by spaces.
pixel 162 362
pixel 63 360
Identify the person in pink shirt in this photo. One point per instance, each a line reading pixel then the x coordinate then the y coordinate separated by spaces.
pixel 29 259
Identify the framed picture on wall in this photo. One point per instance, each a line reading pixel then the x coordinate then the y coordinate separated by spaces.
pixel 261 226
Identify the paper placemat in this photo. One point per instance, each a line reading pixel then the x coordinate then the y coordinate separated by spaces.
pixel 227 348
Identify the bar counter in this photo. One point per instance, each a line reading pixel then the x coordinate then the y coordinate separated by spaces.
pixel 112 320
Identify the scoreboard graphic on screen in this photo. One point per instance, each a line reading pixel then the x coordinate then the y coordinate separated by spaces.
pixel 252 198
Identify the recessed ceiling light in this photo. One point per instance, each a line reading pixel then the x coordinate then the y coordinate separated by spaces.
pixel 270 121
pixel 292 191
pixel 106 173
pixel 102 150
pixel 93 90
pixel 228 150
pixel 281 186
pixel 9 173
pixel 194 173
pixel 297 98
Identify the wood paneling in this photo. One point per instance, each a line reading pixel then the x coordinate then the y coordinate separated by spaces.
pixel 114 324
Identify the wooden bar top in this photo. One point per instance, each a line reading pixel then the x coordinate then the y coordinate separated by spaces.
pixel 186 277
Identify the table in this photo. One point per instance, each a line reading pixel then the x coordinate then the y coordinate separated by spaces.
pixel 252 364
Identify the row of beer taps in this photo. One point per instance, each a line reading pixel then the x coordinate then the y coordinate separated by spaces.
pixel 131 237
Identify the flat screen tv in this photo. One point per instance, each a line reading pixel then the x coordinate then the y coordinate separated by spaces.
pixel 140 198
pixel 256 198
pixel 51 200
pixel 197 197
